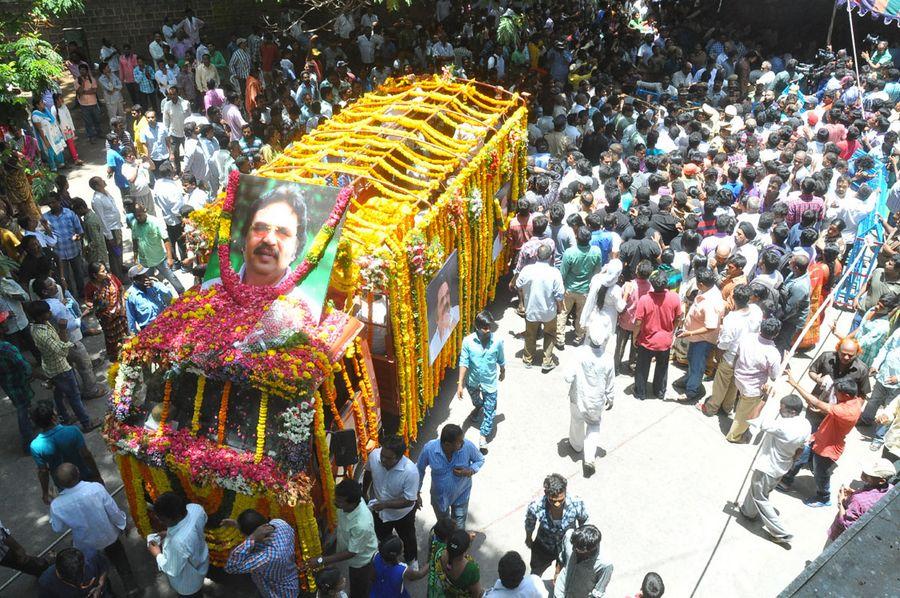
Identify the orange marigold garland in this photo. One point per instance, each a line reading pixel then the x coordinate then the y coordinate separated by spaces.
pixel 167 400
pixel 331 399
pixel 223 412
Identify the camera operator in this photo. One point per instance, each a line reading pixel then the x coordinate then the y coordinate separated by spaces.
pixel 881 57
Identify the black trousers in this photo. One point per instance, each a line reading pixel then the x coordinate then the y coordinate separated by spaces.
pixel 541 558
pixel 360 579
pixel 115 552
pixel 623 338
pixel 642 371
pixel 176 238
pixel 406 531
pixel 786 336
pixel 177 143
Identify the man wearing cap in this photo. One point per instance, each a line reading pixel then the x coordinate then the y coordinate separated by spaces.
pixel 853 504
pixel 145 299
pixel 783 439
pixel 591 392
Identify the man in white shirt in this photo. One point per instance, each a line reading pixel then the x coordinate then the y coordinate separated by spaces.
pixel 182 554
pixel 513 582
pixel 743 319
pixel 95 519
pixel 783 439
pixel 105 207
pixel 343 25
pixel 684 77
pixel 169 197
pixel 368 43
pixel 157 50
pixel 175 110
pixel 542 287
pixel 392 483
pixel 194 196
pixel 757 363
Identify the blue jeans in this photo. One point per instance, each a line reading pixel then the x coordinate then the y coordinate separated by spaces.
pixel 696 356
pixel 488 402
pixel 458 513
pixel 91 116
pixel 65 386
pixel 821 469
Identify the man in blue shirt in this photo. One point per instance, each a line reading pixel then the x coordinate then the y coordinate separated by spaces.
pixel 481 360
pixel 67 228
pixel 453 461
pixel 114 162
pixel 56 444
pixel 145 299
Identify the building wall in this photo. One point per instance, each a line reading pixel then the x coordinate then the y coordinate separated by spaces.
pixel 135 21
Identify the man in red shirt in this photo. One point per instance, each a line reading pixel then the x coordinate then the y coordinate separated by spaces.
pixel 828 441
pixel 657 315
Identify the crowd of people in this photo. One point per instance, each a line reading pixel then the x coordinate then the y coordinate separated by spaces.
pixel 694 198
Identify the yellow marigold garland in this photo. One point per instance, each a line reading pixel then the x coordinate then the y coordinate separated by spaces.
pixel 198 402
pixel 365 387
pixel 323 454
pixel 261 426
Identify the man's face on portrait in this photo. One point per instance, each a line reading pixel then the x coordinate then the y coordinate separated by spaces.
pixel 444 321
pixel 271 244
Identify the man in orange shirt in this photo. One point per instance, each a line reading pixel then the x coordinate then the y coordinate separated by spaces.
pixel 701 330
pixel 828 441
pixel 251 95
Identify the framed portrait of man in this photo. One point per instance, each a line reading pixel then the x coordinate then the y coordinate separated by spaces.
pixel 273 226
pixel 442 300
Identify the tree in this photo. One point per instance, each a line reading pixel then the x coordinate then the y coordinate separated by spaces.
pixel 326 11
pixel 30 63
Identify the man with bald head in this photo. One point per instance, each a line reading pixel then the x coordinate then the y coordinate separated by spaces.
pixel 841 364
pixel 95 519
pixel 795 292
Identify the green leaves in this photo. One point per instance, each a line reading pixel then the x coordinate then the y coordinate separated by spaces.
pixel 30 64
pixel 508 29
pixel 47 9
pixel 36 64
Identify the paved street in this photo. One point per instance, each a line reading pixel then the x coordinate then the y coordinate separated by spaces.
pixel 661 496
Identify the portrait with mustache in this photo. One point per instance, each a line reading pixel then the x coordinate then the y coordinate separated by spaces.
pixel 274 234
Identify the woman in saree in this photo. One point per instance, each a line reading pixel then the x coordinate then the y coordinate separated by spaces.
pixel 17 185
pixel 455 573
pixel 103 293
pixel 823 274
pixel 818 274
pixel 50 137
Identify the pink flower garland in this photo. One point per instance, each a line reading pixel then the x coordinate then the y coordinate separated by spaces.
pixel 207 463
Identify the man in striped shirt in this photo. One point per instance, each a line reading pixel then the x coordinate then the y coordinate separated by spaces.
pixel 267 554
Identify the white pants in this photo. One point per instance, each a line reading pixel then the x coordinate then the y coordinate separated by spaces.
pixel 583 436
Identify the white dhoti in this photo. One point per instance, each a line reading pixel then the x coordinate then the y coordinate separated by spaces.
pixel 584 436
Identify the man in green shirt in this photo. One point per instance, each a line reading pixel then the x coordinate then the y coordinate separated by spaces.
pixel 356 540
pixel 881 58
pixel 578 266
pixel 152 246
